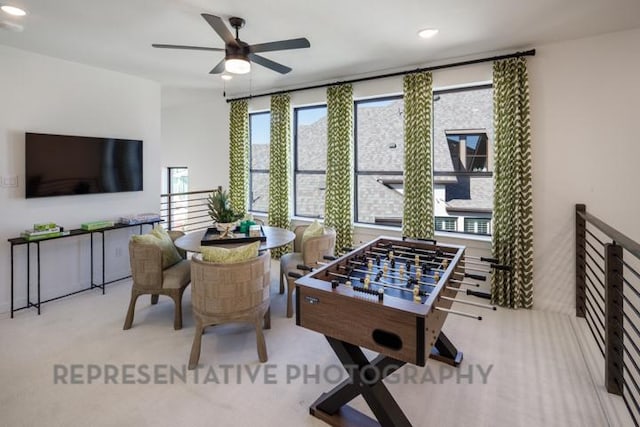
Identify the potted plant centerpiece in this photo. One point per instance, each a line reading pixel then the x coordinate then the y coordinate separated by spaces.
pixel 225 218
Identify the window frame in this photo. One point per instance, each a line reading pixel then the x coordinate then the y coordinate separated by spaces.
pixel 476 221
pixel 295 169
pixel 356 171
pixel 251 170
pixel 451 218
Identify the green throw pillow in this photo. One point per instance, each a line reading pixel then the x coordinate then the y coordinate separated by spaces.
pixel 314 229
pixel 227 256
pixel 160 238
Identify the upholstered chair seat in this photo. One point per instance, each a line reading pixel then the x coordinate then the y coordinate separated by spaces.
pixel 307 251
pixel 155 273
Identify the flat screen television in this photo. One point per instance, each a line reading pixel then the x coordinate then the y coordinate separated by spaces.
pixel 60 165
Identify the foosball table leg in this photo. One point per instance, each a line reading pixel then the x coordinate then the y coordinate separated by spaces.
pixel 365 378
pixel 444 351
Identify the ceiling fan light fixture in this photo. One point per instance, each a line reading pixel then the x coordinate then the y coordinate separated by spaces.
pixel 12 10
pixel 237 64
pixel 427 33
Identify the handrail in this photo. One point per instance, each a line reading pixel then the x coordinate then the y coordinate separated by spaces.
pixel 188 193
pixel 185 211
pixel 613 310
pixel 620 239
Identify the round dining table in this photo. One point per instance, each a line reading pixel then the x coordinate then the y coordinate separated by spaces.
pixel 276 237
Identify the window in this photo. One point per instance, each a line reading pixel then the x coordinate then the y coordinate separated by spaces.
pixel 177 207
pixel 310 160
pixel 462 160
pixel 468 150
pixel 477 225
pixel 446 223
pixel 462 156
pixel 379 158
pixel 259 136
pixel 177 179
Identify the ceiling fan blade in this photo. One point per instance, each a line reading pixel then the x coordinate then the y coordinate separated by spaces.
pixel 218 68
pixel 280 45
pixel 219 26
pixel 282 69
pixel 174 46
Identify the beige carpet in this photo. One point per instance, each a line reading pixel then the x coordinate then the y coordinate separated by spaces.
pixel 538 375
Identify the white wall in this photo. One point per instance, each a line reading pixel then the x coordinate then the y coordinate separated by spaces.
pixel 195 133
pixel 585 104
pixel 42 94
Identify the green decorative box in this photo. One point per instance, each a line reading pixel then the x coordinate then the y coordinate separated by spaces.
pixel 95 225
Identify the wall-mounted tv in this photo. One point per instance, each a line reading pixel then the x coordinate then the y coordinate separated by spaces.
pixel 60 165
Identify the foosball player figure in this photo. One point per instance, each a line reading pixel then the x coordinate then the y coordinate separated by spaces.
pixel 370 265
pixel 385 269
pixel 367 280
pixel 401 271
pixel 418 275
pixel 416 293
pixel 436 276
pixel 417 261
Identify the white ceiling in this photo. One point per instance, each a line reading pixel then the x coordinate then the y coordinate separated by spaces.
pixel 348 37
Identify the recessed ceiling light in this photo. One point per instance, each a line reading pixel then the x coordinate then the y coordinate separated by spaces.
pixel 428 33
pixel 226 76
pixel 12 10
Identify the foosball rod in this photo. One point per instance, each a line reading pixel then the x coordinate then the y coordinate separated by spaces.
pixel 407 272
pixel 495 263
pixel 395 277
pixel 475 304
pixel 386 285
pixel 446 260
pixel 408 259
pixel 491 266
pixel 459 313
pixel 462 282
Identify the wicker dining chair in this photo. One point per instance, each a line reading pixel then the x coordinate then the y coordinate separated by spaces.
pixel 150 278
pixel 313 251
pixel 229 293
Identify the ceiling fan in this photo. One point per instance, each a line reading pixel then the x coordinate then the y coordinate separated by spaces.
pixel 239 54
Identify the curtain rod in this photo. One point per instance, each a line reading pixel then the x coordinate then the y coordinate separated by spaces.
pixel 531 52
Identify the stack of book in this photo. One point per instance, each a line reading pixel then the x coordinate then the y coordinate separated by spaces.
pixel 44 231
pixel 140 218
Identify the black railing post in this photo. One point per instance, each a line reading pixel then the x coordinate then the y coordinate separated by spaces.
pixel 580 260
pixel 613 318
pixel 169 207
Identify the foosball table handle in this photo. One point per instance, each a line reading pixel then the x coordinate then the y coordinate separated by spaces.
pixel 475 276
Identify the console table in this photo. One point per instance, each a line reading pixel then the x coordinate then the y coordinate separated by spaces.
pixel 17 241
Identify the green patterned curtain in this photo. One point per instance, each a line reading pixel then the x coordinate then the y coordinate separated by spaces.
pixel 337 210
pixel 280 166
pixel 417 221
pixel 239 155
pixel 512 210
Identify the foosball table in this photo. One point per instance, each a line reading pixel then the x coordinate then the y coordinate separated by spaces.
pixel 390 296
